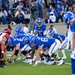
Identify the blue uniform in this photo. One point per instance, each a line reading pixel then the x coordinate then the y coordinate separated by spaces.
pixel 70 20
pixel 44 40
pixel 73 27
pixel 73 60
pixel 40 30
pixel 63 39
pixel 16 41
pixel 47 42
pixel 57 36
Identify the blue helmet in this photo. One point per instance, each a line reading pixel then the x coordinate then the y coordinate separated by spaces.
pixel 10 40
pixel 39 20
pixel 32 39
pixel 18 29
pixel 52 32
pixel 26 39
pixel 69 16
pixel 16 35
pixel 21 31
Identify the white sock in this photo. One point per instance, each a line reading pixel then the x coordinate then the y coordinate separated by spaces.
pixel 63 52
pixel 36 62
pixel 57 53
pixel 30 60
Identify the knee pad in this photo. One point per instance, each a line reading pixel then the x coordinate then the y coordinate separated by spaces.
pixel 16 52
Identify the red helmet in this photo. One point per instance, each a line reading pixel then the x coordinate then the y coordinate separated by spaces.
pixel 7 30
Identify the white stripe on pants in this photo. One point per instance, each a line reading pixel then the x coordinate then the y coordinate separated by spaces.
pixel 54 47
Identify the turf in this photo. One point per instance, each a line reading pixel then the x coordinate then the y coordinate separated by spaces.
pixel 20 68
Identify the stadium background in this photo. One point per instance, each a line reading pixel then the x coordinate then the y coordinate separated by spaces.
pixel 61 27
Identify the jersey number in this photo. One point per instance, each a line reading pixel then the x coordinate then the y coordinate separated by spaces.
pixel 44 39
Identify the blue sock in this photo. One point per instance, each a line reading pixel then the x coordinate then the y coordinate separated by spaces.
pixel 73 65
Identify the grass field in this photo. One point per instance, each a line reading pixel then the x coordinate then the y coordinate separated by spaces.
pixel 20 68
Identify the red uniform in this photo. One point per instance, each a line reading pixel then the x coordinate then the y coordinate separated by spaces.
pixel 3 39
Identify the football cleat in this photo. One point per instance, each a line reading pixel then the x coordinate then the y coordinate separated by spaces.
pixel 64 57
pixel 30 61
pixel 26 61
pixel 61 62
pixel 51 63
pixel 19 59
pixel 35 65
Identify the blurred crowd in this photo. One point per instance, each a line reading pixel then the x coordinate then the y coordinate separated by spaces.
pixel 24 11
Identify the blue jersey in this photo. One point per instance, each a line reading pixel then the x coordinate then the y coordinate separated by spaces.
pixel 73 27
pixel 47 42
pixel 16 42
pixel 40 30
pixel 59 36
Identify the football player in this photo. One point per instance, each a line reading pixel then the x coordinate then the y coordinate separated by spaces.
pixel 70 20
pixel 4 36
pixel 68 35
pixel 19 44
pixel 62 39
pixel 41 43
pixel 39 28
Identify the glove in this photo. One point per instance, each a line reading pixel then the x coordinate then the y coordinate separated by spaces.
pixel 2 52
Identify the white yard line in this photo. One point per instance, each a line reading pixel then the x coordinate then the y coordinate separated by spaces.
pixel 67 63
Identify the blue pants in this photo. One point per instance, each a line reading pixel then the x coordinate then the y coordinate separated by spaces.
pixel 73 65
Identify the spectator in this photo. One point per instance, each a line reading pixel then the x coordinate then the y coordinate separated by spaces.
pixel 4 3
pixel 20 5
pixel 0 5
pixel 11 17
pixel 47 20
pixel 19 16
pixel 33 10
pixel 0 12
pixel 66 8
pixel 40 8
pixel 27 16
pixel 50 8
pixel 60 14
pixel 74 11
pixel 19 11
pixel 4 15
pixel 60 17
pixel 51 18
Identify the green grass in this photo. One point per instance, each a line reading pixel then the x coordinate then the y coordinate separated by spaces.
pixel 67 54
pixel 20 68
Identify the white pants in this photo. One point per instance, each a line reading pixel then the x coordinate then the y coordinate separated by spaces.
pixel 64 43
pixel 69 39
pixel 26 48
pixel 54 47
